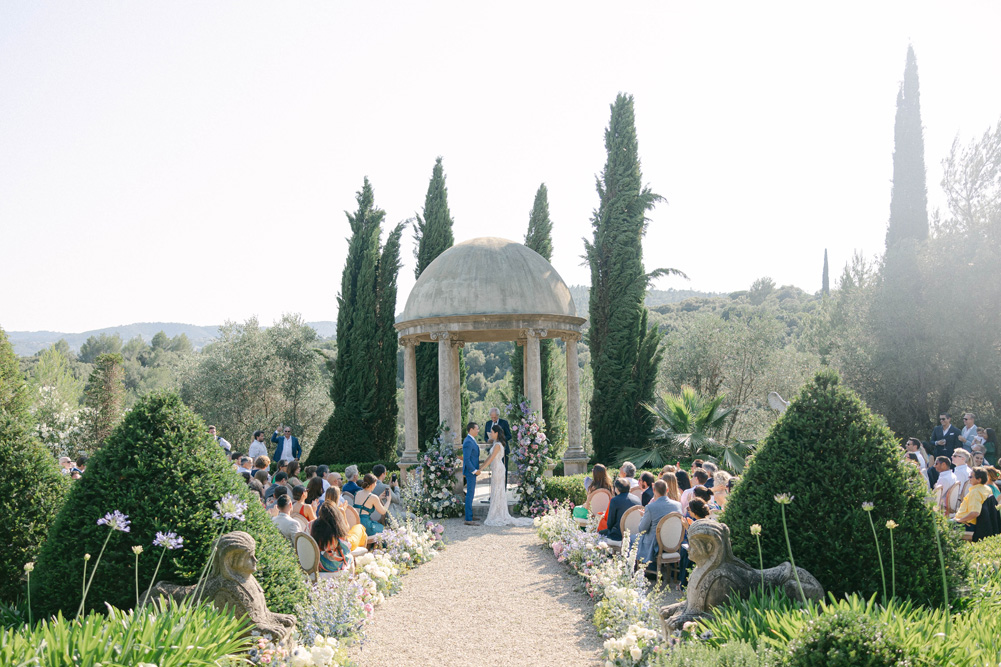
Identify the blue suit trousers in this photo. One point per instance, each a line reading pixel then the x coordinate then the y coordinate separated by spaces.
pixel 470 492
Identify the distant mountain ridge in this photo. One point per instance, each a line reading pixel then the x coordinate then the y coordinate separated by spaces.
pixel 27 343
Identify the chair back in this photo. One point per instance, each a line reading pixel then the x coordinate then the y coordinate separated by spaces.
pixel 599 500
pixel 351 515
pixel 301 520
pixel 630 520
pixel 671 532
pixel 308 552
pixel 962 490
pixel 349 498
pixel 952 498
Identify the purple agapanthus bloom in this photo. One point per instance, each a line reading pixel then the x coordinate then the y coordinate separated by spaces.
pixel 116 521
pixel 168 540
pixel 230 507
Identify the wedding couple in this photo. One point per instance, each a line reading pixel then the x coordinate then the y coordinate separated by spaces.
pixel 498 514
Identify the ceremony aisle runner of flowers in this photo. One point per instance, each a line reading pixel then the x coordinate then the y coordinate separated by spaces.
pixel 626 610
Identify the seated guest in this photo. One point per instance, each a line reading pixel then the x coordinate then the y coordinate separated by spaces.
pixel 293 474
pixel 946 478
pixel 351 486
pixel 234 458
pixel 65 465
pixel 310 472
pixel 255 486
pixel 706 495
pixel 628 473
pixel 696 465
pixel 262 463
pixel 990 446
pixel 281 479
pixel 271 504
pixel 992 480
pixel 721 491
pixel 388 493
pixel 646 485
pixel 711 470
pixel 330 532
pixel 246 465
pixel 334 479
pixel 668 468
pixel 262 477
pixel 282 467
pixel 370 509
pixel 300 505
pixel 671 479
pixel 656 510
pixel 356 534
pixel 700 478
pixel 912 458
pixel 80 467
pixel 600 481
pixel 914 445
pixel 977 458
pixel 698 509
pixel 961 459
pixel 314 492
pixel 684 483
pixel 622 501
pixel 970 508
pixel 286 525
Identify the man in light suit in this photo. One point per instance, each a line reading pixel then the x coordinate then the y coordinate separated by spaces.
pixel 656 510
pixel 288 448
pixel 945 437
pixel 488 428
pixel 470 468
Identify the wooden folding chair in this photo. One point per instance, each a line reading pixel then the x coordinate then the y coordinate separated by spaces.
pixel 951 500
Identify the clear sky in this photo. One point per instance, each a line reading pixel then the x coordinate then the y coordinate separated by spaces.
pixel 192 161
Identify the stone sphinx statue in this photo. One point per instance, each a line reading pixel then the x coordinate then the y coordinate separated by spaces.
pixel 231 583
pixel 719 574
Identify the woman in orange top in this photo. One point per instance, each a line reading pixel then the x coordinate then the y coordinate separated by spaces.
pixel 355 535
pixel 300 505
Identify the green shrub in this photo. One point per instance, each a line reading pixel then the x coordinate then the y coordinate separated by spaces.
pixel 566 488
pixel 160 467
pixel 832 454
pixel 31 486
pixel 174 637
pixel 694 654
pixel 846 638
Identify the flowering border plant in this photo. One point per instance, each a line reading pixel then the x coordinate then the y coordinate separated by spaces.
pixel 531 455
pixel 432 493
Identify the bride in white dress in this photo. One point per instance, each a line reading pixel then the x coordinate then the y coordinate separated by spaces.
pixel 498 514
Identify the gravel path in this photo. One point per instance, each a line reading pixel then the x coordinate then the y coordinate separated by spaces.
pixel 493 597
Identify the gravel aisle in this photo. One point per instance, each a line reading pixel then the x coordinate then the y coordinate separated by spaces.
pixel 493 597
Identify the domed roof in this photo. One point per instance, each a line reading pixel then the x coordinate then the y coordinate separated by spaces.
pixel 488 276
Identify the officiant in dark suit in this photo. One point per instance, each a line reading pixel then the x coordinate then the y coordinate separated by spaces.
pixel 495 419
pixel 945 437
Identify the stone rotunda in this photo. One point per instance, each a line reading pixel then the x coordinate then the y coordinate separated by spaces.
pixel 489 289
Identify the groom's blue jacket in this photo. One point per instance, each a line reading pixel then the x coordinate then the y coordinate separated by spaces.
pixel 470 455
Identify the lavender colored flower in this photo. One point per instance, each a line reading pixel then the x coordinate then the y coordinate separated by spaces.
pixel 116 521
pixel 230 507
pixel 168 540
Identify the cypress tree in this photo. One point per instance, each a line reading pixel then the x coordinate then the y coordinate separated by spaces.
pixel 909 195
pixel 539 238
pixel 105 395
pixel 433 235
pixel 356 431
pixel 825 287
pixel 622 355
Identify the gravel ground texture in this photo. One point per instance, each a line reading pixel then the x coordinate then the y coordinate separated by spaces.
pixel 493 597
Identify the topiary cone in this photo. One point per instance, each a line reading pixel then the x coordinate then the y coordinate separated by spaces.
pixel 162 469
pixel 832 454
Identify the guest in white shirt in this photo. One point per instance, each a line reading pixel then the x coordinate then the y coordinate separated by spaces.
pixel 628 473
pixel 257 446
pixel 969 436
pixel 286 525
pixel 914 445
pixel 700 478
pixel 960 458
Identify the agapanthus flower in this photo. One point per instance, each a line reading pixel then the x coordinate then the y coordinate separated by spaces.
pixel 784 498
pixel 137 549
pixel 868 506
pixel 116 521
pixel 168 540
pixel 230 507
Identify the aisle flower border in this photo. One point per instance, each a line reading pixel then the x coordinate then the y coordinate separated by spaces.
pixel 530 451
pixel 626 607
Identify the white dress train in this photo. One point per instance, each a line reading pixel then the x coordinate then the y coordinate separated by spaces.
pixel 498 514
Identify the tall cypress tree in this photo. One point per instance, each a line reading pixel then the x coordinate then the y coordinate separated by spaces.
pixel 909 197
pixel 433 234
pixel 825 287
pixel 539 238
pixel 357 431
pixel 623 352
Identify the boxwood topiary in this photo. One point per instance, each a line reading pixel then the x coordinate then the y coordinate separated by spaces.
pixel 31 486
pixel 160 467
pixel 832 454
pixel 846 638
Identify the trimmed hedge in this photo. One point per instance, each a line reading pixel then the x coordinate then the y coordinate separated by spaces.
pixel 566 488
pixel 832 454
pixel 162 469
pixel 31 486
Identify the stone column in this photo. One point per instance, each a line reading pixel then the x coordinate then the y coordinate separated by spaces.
pixel 459 430
pixel 446 383
pixel 575 458
pixel 533 368
pixel 411 449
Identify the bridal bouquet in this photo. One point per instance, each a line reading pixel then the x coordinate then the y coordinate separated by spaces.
pixel 530 450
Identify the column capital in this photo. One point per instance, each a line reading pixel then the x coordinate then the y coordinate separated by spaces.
pixel 536 333
pixel 409 342
pixel 439 335
pixel 570 336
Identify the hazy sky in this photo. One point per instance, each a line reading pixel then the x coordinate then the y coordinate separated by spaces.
pixel 192 161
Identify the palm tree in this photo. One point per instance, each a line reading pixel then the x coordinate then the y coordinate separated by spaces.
pixel 690 424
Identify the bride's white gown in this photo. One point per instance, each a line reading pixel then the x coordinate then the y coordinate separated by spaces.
pixel 498 514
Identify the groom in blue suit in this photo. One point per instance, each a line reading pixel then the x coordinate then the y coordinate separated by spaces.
pixel 470 468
